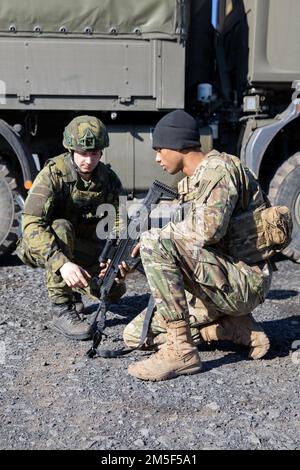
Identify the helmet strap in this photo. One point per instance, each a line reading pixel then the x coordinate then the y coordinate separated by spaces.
pixel 75 166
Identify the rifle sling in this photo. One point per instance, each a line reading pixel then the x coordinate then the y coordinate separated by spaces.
pixel 123 351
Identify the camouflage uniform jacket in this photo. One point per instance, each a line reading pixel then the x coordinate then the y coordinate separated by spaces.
pixel 58 192
pixel 220 189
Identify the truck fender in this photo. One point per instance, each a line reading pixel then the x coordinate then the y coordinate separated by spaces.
pixel 22 152
pixel 260 133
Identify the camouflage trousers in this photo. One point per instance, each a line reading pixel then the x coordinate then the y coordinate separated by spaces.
pixel 82 251
pixel 200 285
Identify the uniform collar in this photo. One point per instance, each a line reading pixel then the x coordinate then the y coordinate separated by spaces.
pixel 194 179
pixel 187 184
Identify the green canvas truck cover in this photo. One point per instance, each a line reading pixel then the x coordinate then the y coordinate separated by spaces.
pixel 99 17
pixel 261 40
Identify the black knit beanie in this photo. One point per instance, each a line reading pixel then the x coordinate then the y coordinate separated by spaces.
pixel 177 130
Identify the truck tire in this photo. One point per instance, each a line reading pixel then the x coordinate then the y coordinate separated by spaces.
pixel 11 204
pixel 285 191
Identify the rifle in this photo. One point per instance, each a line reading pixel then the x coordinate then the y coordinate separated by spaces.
pixel 117 250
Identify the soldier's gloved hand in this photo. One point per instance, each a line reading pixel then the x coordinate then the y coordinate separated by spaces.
pixel 74 275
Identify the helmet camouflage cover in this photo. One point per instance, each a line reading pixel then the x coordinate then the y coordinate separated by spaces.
pixel 85 133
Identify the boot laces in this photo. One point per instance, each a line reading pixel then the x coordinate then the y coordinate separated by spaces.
pixel 71 314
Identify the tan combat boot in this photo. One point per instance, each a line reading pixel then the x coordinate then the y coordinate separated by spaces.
pixel 178 356
pixel 240 330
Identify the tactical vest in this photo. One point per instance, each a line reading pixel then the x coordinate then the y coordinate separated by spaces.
pixel 75 201
pixel 256 230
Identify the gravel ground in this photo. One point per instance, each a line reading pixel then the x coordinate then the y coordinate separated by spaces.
pixel 52 397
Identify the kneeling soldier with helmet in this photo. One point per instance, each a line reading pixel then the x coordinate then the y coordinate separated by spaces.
pixel 209 268
pixel 60 219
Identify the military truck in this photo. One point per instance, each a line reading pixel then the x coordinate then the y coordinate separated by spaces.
pixel 129 62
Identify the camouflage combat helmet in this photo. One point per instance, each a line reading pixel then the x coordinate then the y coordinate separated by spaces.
pixel 85 133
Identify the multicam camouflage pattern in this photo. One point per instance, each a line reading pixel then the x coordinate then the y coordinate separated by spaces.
pixel 214 196
pixel 190 255
pixel 85 133
pixel 172 266
pixel 60 218
pixel 198 315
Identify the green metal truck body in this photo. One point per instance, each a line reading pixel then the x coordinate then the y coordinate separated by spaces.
pixel 129 62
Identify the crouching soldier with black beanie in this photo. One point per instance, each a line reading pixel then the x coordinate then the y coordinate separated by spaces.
pixel 206 271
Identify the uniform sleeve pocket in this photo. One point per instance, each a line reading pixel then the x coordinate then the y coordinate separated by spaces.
pixel 36 201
